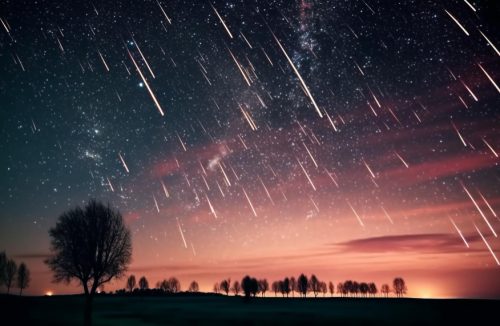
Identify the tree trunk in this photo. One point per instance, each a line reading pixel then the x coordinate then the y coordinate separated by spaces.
pixel 87 314
pixel 20 291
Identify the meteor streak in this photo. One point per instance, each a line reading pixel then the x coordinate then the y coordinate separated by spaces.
pixel 249 202
pixel 123 162
pixel 487 204
pixel 457 22
pixel 489 42
pixel 100 55
pixel 387 215
pixel 304 86
pixel 489 146
pixel 267 191
pixel 399 156
pixel 470 91
pixel 239 67
pixel 489 77
pixel 459 232
pixel 156 204
pixel 143 57
pixel 355 213
pixel 487 245
pixel 180 140
pixel 369 169
pixel 164 13
pixel 146 83
pixel 165 189
pixel 307 175
pixel 222 21
pixel 182 233
pixel 479 210
pixel 310 155
pixel 459 134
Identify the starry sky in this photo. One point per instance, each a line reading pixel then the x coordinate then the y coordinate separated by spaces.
pixel 350 139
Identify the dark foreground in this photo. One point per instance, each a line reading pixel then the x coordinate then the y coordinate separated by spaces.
pixel 217 310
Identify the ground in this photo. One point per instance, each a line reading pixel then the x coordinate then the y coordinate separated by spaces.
pixel 220 310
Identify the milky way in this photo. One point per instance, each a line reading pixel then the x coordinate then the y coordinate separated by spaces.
pixel 346 138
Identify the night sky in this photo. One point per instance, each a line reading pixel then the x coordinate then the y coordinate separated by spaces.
pixel 350 139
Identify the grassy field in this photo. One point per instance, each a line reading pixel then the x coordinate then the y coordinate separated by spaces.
pixel 218 310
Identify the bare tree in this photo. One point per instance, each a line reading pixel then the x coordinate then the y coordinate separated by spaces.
pixel 263 286
pixel 23 277
pixel 293 285
pixel 216 288
pixel 236 288
pixel 372 289
pixel 363 288
pixel 324 288
pixel 143 283
pixel 225 285
pixel 340 289
pixel 385 290
pixel 91 245
pixel 131 283
pixel 331 288
pixel 302 285
pixel 399 286
pixel 355 288
pixel 194 287
pixel 10 273
pixel 275 286
pixel 315 285
pixel 163 286
pixel 174 286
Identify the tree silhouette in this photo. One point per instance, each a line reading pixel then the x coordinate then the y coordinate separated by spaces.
pixel 399 286
pixel 286 286
pixel 143 283
pixel 275 287
pixel 10 273
pixel 250 286
pixel 91 245
pixel 163 286
pixel 355 288
pixel 23 277
pixel 3 265
pixel 293 285
pixel 225 286
pixel 302 285
pixel 315 285
pixel 340 289
pixel 131 283
pixel 216 288
pixel 331 288
pixel 236 288
pixel 363 288
pixel 174 285
pixel 324 288
pixel 263 286
pixel 372 289
pixel 385 289
pixel 194 287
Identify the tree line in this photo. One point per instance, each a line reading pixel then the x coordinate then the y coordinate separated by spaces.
pixel 289 286
pixel 12 275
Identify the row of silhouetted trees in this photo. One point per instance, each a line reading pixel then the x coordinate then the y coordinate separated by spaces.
pixel 287 287
pixel 12 275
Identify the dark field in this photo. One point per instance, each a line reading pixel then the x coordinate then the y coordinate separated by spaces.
pixel 218 310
